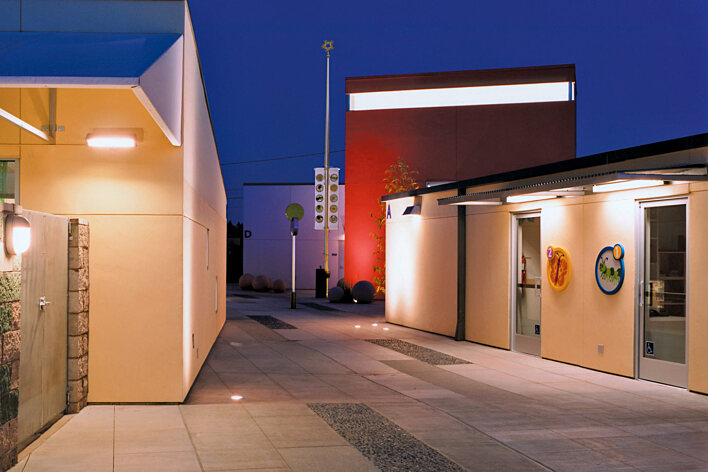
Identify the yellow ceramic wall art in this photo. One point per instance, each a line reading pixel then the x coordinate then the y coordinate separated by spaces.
pixel 558 268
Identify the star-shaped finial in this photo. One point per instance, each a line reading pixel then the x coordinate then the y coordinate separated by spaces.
pixel 328 45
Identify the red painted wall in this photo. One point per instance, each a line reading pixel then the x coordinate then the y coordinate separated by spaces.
pixel 446 143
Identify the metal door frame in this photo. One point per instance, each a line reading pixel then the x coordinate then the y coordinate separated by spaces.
pixel 678 380
pixel 524 340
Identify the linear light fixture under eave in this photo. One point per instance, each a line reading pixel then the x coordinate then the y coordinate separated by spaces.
pixel 463 96
pixel 625 185
pixel 528 198
pixel 479 203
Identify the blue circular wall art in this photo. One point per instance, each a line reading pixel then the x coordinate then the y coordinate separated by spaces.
pixel 609 269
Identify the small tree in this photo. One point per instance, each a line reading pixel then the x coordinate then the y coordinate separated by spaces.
pixel 399 177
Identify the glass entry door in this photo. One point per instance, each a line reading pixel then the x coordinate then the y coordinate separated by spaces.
pixel 526 284
pixel 662 301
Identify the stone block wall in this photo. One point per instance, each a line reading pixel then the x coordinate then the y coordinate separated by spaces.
pixel 10 339
pixel 78 307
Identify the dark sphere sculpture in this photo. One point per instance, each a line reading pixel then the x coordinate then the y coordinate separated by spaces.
pixel 335 294
pixel 260 283
pixel 269 283
pixel 246 282
pixel 279 286
pixel 344 285
pixel 363 291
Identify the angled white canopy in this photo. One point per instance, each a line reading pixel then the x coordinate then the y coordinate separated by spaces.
pixel 148 64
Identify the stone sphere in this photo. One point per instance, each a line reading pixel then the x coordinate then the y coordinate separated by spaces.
pixel 279 286
pixel 246 282
pixel 269 283
pixel 341 283
pixel 363 291
pixel 336 294
pixel 260 283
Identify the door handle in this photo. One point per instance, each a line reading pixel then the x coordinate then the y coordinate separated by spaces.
pixel 43 302
pixel 651 293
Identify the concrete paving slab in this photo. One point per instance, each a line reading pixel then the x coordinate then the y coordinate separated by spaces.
pixel 326 459
pixel 158 462
pixel 505 411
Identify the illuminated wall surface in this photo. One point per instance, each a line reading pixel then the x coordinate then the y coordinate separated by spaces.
pixel 268 249
pixel 421 263
pixel 449 126
pixel 157 212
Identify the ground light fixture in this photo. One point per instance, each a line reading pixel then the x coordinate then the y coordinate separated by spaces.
pixel 111 141
pixel 18 234
pixel 625 185
pixel 236 397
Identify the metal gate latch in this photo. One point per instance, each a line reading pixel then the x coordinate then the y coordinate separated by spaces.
pixel 43 302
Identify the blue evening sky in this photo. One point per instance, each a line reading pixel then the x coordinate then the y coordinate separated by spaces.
pixel 641 65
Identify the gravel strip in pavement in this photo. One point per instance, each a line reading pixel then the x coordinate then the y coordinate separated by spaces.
pixel 421 353
pixel 384 443
pixel 271 322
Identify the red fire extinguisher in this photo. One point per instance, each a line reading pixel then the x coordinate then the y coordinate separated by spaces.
pixel 523 269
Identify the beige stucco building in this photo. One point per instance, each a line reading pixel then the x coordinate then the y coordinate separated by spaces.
pixel 156 211
pixel 522 261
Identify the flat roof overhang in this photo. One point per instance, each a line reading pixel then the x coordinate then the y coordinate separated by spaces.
pixel 682 159
pixel 570 186
pixel 151 65
pixel 465 78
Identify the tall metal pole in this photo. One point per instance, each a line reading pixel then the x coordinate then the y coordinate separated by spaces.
pixel 327 46
pixel 293 299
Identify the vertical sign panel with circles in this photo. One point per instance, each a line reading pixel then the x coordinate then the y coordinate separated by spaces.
pixel 320 195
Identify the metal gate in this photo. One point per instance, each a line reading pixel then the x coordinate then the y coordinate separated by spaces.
pixel 44 324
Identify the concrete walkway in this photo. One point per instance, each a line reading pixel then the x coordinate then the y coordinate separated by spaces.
pixel 319 395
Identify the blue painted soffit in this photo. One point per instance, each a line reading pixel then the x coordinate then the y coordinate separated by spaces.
pixel 30 56
pixel 148 64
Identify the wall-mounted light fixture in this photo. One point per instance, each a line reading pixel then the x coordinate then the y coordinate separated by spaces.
pixel 113 141
pixel 412 210
pixel 625 185
pixel 18 234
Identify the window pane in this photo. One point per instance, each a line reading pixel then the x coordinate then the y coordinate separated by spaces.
pixel 8 174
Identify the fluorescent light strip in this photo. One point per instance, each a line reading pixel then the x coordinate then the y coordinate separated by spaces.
pixel 463 96
pixel 625 185
pixel 528 198
pixel 478 203
pixel 107 141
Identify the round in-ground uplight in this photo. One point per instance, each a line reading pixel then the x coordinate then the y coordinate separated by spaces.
pixel 357 326
pixel 374 324
pixel 236 397
pixel 385 329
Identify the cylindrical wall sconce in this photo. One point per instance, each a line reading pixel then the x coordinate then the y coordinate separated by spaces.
pixel 18 234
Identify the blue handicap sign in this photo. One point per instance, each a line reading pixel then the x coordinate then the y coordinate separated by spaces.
pixel 649 348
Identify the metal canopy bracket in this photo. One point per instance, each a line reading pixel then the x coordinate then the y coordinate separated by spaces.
pixel 7 116
pixel 47 133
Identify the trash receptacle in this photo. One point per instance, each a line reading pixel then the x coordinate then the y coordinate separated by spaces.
pixel 321 277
